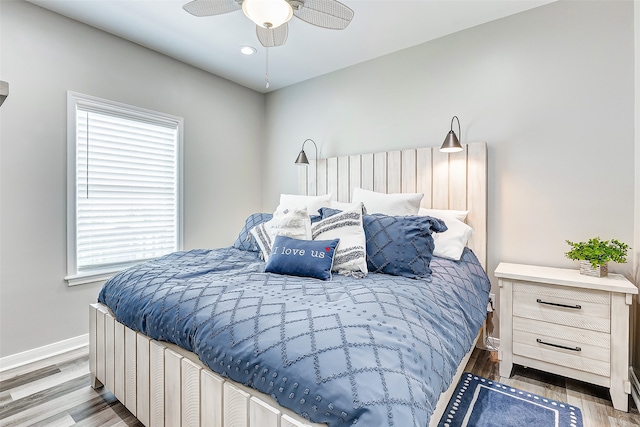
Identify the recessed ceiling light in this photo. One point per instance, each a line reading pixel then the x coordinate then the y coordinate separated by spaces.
pixel 248 50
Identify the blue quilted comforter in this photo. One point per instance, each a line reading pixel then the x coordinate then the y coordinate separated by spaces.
pixel 373 351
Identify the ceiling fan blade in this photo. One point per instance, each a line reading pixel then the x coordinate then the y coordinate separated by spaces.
pixel 210 7
pixel 329 14
pixel 272 37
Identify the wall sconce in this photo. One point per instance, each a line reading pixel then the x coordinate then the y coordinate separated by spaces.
pixel 4 91
pixel 451 143
pixel 302 157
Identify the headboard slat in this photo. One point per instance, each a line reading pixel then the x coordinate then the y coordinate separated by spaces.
pixel 367 171
pixel 355 174
pixel 440 183
pixel 303 185
pixel 424 177
pixel 458 180
pixel 380 172
pixel 409 180
pixel 332 177
pixel 343 194
pixel 394 172
pixel 312 179
pixel 321 177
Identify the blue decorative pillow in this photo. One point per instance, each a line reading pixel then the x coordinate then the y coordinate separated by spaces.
pixel 400 245
pixel 245 240
pixel 327 212
pixel 306 258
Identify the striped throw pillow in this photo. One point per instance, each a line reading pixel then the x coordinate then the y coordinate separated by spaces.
pixel 351 256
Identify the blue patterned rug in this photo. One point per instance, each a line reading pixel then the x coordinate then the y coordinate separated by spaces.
pixel 479 402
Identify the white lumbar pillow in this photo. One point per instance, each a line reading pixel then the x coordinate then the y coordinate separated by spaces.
pixel 450 244
pixel 388 204
pixel 344 206
pixel 437 213
pixel 294 223
pixel 312 203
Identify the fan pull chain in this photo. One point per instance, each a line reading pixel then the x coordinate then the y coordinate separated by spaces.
pixel 266 72
pixel 269 43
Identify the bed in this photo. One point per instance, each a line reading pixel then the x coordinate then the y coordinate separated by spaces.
pixel 162 383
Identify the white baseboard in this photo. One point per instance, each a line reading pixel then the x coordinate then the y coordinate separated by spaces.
pixel 30 356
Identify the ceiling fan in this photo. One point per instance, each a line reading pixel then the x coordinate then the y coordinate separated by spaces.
pixel 271 16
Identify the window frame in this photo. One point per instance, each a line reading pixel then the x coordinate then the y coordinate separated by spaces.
pixel 75 99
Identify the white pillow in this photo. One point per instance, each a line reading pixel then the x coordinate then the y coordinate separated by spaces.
pixel 351 253
pixel 312 203
pixel 388 204
pixel 343 206
pixel 438 213
pixel 450 244
pixel 294 223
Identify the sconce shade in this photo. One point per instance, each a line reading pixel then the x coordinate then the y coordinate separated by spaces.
pixel 4 91
pixel 451 143
pixel 302 159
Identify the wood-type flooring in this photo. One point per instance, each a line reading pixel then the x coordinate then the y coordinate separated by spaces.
pixel 57 392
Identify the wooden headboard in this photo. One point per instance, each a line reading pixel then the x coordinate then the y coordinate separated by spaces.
pixel 448 181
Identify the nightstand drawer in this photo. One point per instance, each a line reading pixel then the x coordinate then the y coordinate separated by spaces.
pixel 584 309
pixel 584 343
pixel 575 348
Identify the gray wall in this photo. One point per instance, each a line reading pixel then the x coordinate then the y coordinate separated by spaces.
pixel 551 91
pixel 43 56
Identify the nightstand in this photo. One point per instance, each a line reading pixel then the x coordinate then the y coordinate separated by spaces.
pixel 560 321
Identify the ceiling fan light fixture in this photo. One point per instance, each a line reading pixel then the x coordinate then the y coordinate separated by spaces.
pixel 267 13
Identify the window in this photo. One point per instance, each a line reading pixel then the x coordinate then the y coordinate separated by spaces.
pixel 124 200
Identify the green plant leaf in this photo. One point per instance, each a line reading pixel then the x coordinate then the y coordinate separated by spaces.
pixel 598 252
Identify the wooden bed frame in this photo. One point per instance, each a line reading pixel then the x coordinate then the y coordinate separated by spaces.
pixel 164 385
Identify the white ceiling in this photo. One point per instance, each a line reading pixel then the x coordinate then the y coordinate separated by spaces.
pixel 213 43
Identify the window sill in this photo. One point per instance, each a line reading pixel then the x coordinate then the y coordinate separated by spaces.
pixel 92 277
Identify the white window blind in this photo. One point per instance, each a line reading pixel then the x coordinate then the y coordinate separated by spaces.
pixel 126 186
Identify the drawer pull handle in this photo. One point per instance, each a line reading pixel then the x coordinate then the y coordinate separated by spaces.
pixel 558 345
pixel 577 307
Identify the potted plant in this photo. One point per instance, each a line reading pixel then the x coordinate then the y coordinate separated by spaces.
pixel 595 253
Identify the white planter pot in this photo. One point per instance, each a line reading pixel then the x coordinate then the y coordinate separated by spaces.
pixel 588 270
